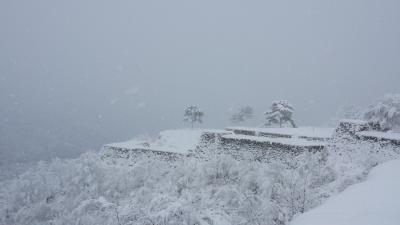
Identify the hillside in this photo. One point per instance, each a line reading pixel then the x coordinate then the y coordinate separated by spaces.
pixel 103 188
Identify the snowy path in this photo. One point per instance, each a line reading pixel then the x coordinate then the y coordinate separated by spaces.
pixel 373 202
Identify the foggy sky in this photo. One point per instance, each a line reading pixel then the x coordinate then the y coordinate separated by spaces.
pixel 77 74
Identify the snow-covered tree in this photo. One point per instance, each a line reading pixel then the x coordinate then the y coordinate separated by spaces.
pixel 349 112
pixel 243 114
pixel 193 115
pixel 385 112
pixel 281 112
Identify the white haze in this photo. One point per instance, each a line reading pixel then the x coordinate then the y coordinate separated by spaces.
pixel 77 74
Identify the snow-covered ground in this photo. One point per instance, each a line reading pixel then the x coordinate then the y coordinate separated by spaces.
pixel 316 132
pixel 373 202
pixel 180 141
pixel 176 141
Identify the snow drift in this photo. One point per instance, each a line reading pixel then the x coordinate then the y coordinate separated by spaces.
pixel 375 201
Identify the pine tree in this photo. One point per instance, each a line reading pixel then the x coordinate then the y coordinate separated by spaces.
pixel 281 113
pixel 242 115
pixel 193 115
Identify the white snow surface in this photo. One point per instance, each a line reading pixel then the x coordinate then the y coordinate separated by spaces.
pixel 380 135
pixel 180 141
pixel 318 132
pixel 373 202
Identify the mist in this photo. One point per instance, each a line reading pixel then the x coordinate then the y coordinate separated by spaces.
pixel 75 75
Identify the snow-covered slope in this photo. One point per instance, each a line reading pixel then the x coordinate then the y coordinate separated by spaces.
pixel 179 141
pixel 373 202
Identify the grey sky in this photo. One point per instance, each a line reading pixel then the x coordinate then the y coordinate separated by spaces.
pixel 76 74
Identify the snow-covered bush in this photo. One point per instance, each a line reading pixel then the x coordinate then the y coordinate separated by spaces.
pixel 94 189
pixel 299 184
pixel 91 190
pixel 385 112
